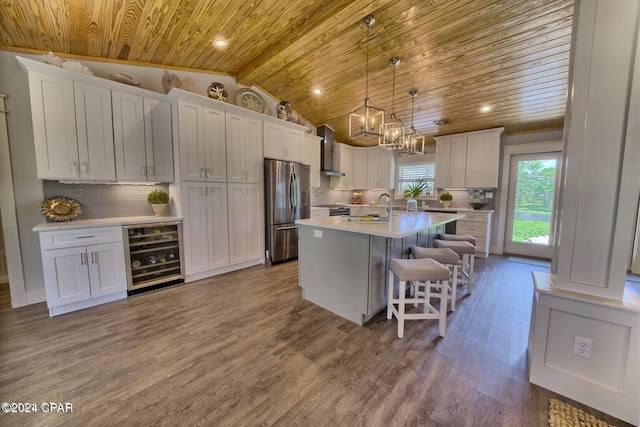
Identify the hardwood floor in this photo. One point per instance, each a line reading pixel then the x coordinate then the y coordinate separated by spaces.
pixel 244 349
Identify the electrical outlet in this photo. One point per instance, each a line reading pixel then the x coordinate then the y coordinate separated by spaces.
pixel 582 347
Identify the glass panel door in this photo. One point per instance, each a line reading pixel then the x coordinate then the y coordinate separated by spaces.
pixel 533 185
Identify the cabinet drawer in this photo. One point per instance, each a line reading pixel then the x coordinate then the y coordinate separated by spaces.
pixel 79 237
pixel 473 217
pixel 474 228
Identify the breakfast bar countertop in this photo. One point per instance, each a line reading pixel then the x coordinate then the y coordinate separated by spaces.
pixel 400 225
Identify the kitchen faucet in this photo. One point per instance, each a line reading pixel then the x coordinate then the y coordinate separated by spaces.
pixel 388 204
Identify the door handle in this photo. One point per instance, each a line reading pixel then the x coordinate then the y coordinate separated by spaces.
pixel 83 258
pixel 94 258
pixel 292 227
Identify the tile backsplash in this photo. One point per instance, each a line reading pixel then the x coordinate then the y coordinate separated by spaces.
pixel 105 200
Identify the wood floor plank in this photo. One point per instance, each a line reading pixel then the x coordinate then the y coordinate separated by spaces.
pixel 244 349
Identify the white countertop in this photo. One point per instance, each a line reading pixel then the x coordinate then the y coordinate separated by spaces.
pixel 401 224
pixel 103 222
pixel 430 209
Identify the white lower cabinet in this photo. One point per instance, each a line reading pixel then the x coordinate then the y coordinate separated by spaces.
pixel 477 224
pixel 223 227
pixel 206 237
pixel 246 229
pixel 83 268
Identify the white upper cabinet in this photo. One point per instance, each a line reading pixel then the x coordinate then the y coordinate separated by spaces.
pixel 72 128
pixel 159 140
pixel 468 160
pixel 381 169
pixel 201 138
pixel 451 161
pixel 483 159
pixel 343 161
pixel 244 148
pixel 283 142
pixel 128 127
pixel 312 158
pixel 373 168
pixel 360 168
pixel 143 140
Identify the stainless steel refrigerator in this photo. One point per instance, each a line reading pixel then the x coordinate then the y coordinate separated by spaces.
pixel 287 196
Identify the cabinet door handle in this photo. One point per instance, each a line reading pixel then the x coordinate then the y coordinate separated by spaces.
pixel 85 167
pixel 94 258
pixel 83 258
pixel 208 172
pixel 201 172
pixel 74 167
pixel 84 237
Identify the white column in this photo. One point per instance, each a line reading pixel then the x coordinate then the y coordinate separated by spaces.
pixel 584 300
pixel 602 151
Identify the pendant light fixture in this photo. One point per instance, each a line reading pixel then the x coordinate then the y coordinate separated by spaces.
pixel 366 122
pixel 393 131
pixel 413 142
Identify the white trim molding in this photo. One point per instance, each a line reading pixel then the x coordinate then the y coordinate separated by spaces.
pixel 501 202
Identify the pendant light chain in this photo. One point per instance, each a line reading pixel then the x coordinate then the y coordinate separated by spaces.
pixel 394 61
pixel 366 75
pixel 366 122
pixel 413 103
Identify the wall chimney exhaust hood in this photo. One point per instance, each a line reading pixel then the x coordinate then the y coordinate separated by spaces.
pixel 326 151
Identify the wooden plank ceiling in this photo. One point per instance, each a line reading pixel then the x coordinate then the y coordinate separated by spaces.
pixel 458 54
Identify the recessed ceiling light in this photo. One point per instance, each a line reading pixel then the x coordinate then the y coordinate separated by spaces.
pixel 220 42
pixel 486 108
pixel 317 91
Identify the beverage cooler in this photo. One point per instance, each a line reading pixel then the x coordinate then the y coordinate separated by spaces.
pixel 153 255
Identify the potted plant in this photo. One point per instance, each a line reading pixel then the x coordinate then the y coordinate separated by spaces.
pixel 411 194
pixel 446 198
pixel 158 199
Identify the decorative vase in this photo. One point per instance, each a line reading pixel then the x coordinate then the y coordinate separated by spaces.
pixel 159 209
pixel 412 206
pixel 446 203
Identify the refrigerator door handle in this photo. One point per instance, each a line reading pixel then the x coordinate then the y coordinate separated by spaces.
pixel 292 227
pixel 292 190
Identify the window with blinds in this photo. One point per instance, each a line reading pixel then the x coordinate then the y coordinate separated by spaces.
pixel 410 173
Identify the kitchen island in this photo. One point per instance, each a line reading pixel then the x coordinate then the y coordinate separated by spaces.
pixel 343 261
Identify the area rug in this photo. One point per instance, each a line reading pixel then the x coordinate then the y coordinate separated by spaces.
pixel 564 415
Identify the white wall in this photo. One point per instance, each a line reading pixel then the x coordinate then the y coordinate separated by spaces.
pixel 27 187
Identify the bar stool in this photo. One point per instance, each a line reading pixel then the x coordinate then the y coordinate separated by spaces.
pixel 423 270
pixel 467 252
pixel 459 238
pixel 449 259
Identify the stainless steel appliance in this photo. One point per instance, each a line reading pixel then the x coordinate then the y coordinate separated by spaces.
pixel 326 151
pixel 287 199
pixel 153 255
pixel 336 209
